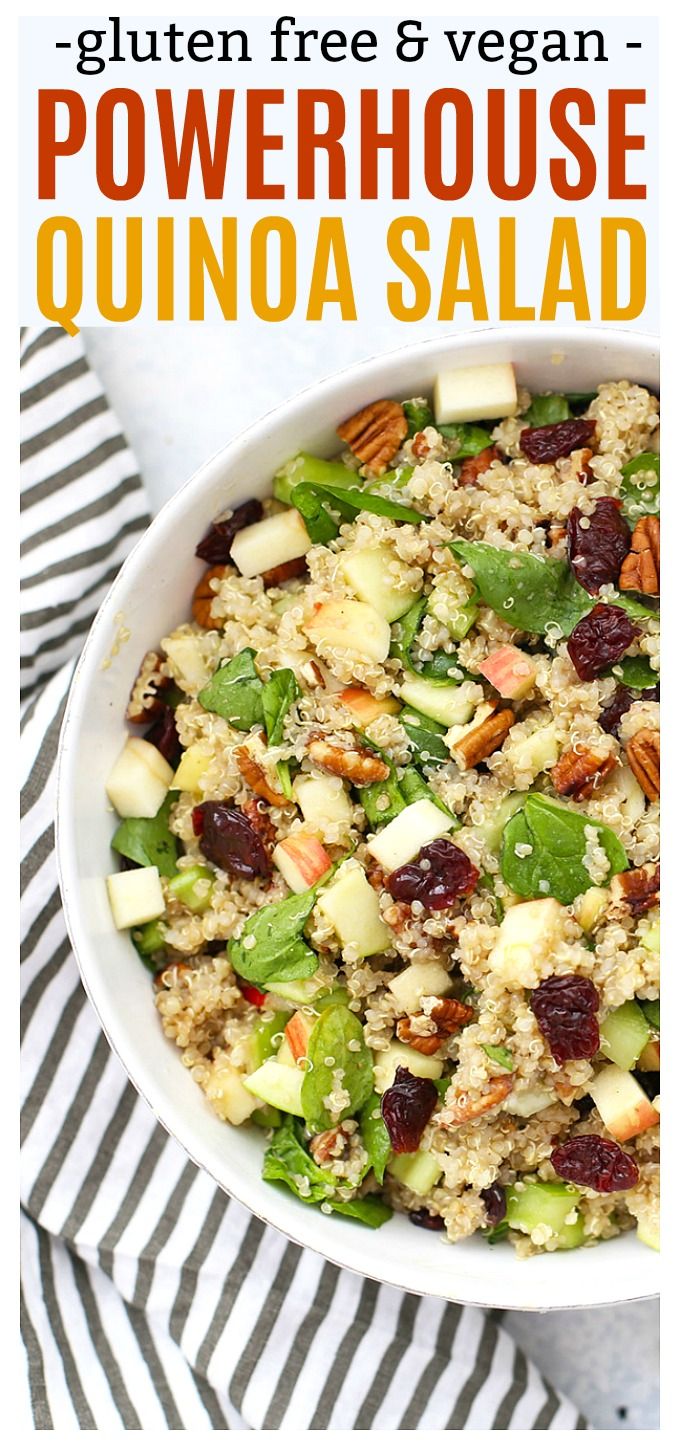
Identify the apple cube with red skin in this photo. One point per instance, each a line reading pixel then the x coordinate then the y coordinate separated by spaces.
pixel 511 672
pixel 624 1108
pixel 298 1031
pixel 364 707
pixel 302 860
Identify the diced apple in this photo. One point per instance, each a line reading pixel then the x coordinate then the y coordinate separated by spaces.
pixel 451 608
pixel 364 707
pixel 278 1085
pixel 135 896
pixel 591 907
pixel 624 1035
pixel 414 827
pixel 285 1054
pixel 322 800
pixel 538 751
pixel 648 1227
pixel 651 941
pixel 372 576
pixel 140 779
pixel 447 704
pixel 511 672
pixel 464 395
pixel 350 625
pixel 428 979
pixel 399 1054
pixel 273 541
pixel 523 1102
pixel 194 762
pixel 226 1092
pixel 351 906
pixel 189 664
pixel 624 1108
pixel 417 1171
pixel 650 1057
pixel 528 934
pixel 298 1032
pixel 301 860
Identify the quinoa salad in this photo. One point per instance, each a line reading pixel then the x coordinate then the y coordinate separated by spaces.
pixel 389 840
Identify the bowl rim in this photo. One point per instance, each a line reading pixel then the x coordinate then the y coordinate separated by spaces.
pixel 553 338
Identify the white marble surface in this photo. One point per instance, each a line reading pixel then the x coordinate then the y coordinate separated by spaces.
pixel 180 393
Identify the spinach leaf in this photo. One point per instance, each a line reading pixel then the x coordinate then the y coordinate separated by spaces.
pixel 652 1011
pixel 636 672
pixel 373 798
pixel 148 840
pixel 271 946
pixel 374 1136
pixel 529 592
pixel 546 408
pixel 635 608
pixel 640 493
pixel 471 439
pixel 419 415
pixel 287 1161
pixel 320 525
pixel 554 866
pixel 235 692
pixel 348 502
pixel 426 737
pixel 443 666
pixel 371 1210
pixel 501 1055
pixel 333 1062
pixel 414 788
pixel 278 694
pixel 578 402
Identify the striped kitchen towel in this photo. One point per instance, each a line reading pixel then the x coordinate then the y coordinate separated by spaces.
pixel 149 1299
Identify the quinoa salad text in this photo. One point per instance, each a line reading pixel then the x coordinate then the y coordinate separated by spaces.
pixel 389 816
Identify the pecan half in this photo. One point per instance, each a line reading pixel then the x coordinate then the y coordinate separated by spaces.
pixel 330 1145
pixel 204 596
pixel 292 570
pixel 446 1016
pixel 480 742
pixel 375 433
pixel 356 764
pixel 146 694
pixel 644 758
pixel 465 1107
pixel 256 778
pixel 641 568
pixel 636 891
pixel 579 772
pixel 256 812
pixel 472 467
pixel 420 446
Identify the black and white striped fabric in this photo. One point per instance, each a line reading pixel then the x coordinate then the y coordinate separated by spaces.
pixel 149 1299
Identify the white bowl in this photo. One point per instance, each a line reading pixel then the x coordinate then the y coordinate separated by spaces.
pixel 152 595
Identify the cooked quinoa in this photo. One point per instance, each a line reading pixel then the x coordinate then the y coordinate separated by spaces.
pixel 414 719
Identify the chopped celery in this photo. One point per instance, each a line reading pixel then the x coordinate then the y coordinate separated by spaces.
pixel 554 1206
pixel 261 1044
pixel 624 1034
pixel 306 468
pixel 194 887
pixel 149 938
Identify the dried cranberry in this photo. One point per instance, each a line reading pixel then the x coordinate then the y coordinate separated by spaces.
pixel 252 994
pixel 594 1162
pixel 555 440
pixel 228 839
pixel 440 874
pixel 163 734
pixel 493 1199
pixel 406 1108
pixel 215 546
pixel 422 1218
pixel 611 716
pixel 600 639
pixel 598 544
pixel 565 1009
